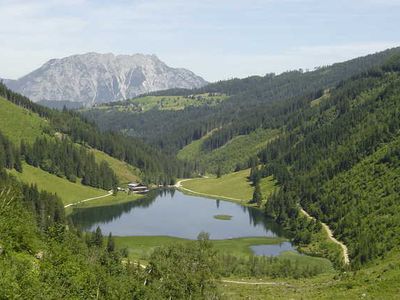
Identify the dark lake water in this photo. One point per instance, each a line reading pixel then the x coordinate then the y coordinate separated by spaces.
pixel 172 213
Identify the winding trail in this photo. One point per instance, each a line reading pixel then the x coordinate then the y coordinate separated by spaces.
pixel 331 237
pixel 178 185
pixel 89 199
pixel 253 282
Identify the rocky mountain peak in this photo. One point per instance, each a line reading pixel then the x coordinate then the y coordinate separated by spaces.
pixel 97 78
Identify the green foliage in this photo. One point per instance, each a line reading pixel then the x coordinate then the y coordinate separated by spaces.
pixel 253 103
pixel 64 158
pixel 257 195
pixel 9 155
pixel 142 104
pixel 19 123
pixel 261 266
pixel 334 161
pixel 42 258
pixel 155 165
pixel 184 271
pixel 234 155
pixel 68 191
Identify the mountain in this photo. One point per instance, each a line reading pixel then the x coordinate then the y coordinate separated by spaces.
pixel 98 78
pixel 249 106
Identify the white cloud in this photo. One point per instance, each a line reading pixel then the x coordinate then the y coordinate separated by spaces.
pixel 226 66
pixel 217 39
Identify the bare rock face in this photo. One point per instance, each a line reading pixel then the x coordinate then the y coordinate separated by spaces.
pixel 97 78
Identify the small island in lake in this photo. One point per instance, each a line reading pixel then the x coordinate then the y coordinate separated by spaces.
pixel 223 217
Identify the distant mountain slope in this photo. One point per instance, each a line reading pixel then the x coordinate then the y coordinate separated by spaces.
pixel 21 119
pixel 252 103
pixel 97 78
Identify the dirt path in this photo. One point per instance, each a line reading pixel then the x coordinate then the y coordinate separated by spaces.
pixel 253 282
pixel 178 185
pixel 89 199
pixel 331 237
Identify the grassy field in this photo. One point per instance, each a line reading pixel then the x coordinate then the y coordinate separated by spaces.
pixel 142 104
pixel 234 186
pixel 18 123
pixel 236 151
pixel 120 198
pixel 68 192
pixel 125 172
pixel 142 246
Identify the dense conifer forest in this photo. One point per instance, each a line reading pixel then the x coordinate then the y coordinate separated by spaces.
pixel 339 160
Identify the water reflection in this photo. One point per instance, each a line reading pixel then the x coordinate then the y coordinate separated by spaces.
pixel 170 212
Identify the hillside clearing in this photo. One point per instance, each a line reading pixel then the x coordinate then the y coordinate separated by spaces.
pixel 125 172
pixel 19 124
pixel 69 192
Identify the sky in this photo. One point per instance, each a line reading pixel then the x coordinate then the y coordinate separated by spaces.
pixel 216 39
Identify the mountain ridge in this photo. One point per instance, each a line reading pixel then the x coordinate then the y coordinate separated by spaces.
pixel 94 78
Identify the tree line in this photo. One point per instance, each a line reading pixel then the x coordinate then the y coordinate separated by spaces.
pixel 330 153
pixel 63 158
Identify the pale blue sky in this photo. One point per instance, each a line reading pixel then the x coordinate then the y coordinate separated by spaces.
pixel 216 39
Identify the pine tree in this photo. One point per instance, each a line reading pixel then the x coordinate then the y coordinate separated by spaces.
pixel 257 195
pixel 97 237
pixel 110 243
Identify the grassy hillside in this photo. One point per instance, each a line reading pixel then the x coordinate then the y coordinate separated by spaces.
pixel 235 152
pixel 142 104
pixel 378 280
pixel 125 172
pixel 233 186
pixel 69 192
pixel 18 123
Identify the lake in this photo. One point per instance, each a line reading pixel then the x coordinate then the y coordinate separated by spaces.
pixel 172 213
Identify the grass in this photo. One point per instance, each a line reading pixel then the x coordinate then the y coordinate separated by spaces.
pixel 142 104
pixel 140 247
pixel 19 124
pixel 125 172
pixel 69 192
pixel 236 151
pixel 120 198
pixel 223 217
pixel 378 280
pixel 234 185
pixel 318 101
pixel 267 185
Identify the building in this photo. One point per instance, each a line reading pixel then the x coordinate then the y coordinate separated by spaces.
pixel 137 188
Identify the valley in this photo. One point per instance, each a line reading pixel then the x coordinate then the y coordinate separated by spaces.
pixel 273 187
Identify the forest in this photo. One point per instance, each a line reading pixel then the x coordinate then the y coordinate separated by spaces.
pixel 253 102
pixel 338 160
pixel 157 167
